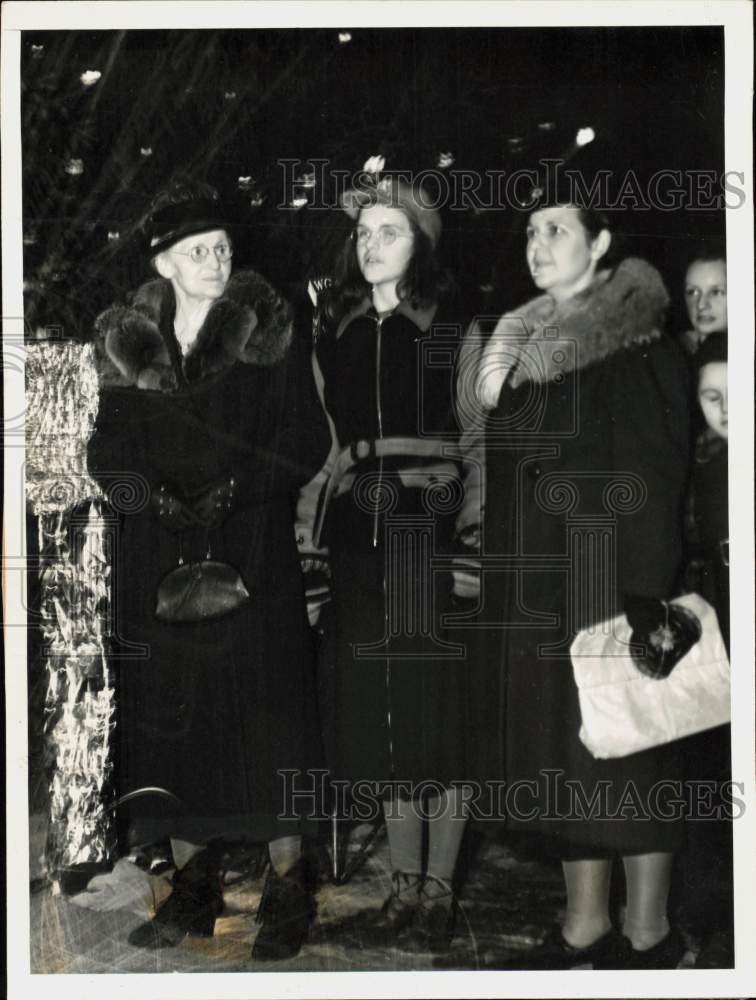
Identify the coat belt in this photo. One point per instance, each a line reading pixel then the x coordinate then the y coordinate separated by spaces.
pixel 365 449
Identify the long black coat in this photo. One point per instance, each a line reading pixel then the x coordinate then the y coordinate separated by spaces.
pixel 586 464
pixel 209 712
pixel 395 711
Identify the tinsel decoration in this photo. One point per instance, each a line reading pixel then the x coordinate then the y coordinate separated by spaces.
pixel 61 396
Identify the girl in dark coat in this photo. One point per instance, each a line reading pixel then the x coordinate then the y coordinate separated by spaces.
pixel 392 683
pixel 209 412
pixel 586 462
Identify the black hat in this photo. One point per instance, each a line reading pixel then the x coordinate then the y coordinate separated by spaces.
pixel 173 222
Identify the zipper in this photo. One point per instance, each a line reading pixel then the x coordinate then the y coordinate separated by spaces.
pixel 376 518
pixel 379 410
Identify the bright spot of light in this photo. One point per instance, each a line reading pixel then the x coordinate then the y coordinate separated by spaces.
pixel 299 202
pixel 244 183
pixel 230 95
pixel 146 150
pixel 113 234
pixel 584 136
pixel 74 167
pixel 306 180
pixel 90 77
pixel 344 37
pixel 445 160
pixel 547 126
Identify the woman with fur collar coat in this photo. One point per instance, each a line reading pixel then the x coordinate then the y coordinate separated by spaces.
pixel 583 407
pixel 209 414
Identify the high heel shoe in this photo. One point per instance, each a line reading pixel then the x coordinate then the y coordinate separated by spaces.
pixel 286 910
pixel 554 952
pixel 192 907
pixel 436 919
pixel 664 955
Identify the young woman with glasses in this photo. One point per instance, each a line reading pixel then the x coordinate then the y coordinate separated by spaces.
pixel 392 686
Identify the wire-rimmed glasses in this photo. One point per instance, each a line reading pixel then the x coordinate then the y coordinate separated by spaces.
pixel 385 235
pixel 199 254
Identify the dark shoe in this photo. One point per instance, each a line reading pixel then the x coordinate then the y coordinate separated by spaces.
pixel 192 907
pixel 555 953
pixel 398 912
pixel 286 911
pixel 664 955
pixel 436 918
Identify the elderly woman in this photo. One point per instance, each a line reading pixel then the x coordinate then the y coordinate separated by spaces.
pixel 586 464
pixel 394 686
pixel 209 411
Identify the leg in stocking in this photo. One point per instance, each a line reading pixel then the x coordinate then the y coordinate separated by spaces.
pixel 447 819
pixel 285 852
pixel 648 878
pixel 183 851
pixel 587 882
pixel 404 827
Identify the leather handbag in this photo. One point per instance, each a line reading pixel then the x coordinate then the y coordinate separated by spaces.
pixel 627 704
pixel 200 591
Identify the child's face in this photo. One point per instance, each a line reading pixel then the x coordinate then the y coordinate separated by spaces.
pixel 712 396
pixel 706 296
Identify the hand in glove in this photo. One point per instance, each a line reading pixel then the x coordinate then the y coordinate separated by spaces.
pixel 663 633
pixel 171 510
pixel 212 505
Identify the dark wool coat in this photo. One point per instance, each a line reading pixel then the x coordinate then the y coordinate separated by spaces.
pixel 394 710
pixel 586 464
pixel 210 711
pixel 709 532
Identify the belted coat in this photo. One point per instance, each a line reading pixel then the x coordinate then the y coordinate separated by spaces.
pixel 392 678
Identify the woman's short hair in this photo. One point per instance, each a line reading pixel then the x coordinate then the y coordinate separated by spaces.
pixel 706 251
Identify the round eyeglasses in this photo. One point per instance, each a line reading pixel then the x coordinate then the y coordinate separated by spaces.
pixel 385 235
pixel 199 254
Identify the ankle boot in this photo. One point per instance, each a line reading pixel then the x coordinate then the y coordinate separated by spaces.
pixel 286 910
pixel 192 907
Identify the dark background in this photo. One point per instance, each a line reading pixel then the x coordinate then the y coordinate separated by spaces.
pixel 230 103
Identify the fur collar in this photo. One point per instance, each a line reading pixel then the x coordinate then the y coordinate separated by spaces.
pixel 622 308
pixel 250 323
pixel 422 318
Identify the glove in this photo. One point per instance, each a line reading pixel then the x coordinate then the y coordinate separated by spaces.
pixel 171 510
pixel 212 505
pixel 662 634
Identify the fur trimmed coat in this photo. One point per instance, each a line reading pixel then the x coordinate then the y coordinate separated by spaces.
pixel 208 712
pixel 586 457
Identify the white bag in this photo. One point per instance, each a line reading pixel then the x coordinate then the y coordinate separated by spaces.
pixel 624 711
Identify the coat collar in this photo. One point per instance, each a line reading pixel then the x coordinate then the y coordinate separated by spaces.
pixel 422 318
pixel 622 308
pixel 135 344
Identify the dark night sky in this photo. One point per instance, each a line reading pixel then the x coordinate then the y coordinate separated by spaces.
pixel 230 103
